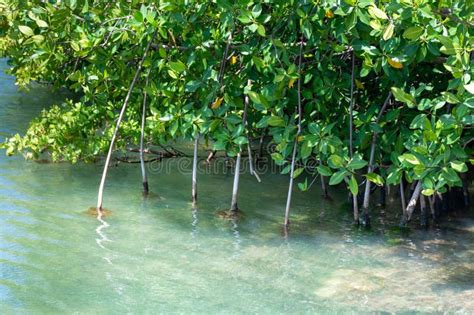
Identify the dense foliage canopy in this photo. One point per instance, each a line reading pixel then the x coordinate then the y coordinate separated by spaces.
pixel 413 56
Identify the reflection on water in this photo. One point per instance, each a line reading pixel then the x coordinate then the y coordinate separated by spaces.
pixel 161 254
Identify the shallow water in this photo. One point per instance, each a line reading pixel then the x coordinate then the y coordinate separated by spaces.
pixel 160 255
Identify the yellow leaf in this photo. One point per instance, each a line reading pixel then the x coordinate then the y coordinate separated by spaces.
pixel 217 103
pixel 233 60
pixel 291 83
pixel 359 84
pixel 395 63
pixel 300 138
pixel 329 14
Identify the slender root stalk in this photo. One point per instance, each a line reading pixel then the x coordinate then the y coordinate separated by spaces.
pixel 295 145
pixel 142 136
pixel 372 158
pixel 211 156
pixel 235 190
pixel 114 136
pixel 402 197
pixel 412 204
pixel 324 187
pixel 194 176
pixel 355 203
pixel 252 170
pixel 290 186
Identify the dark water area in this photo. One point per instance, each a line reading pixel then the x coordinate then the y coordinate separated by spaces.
pixel 159 255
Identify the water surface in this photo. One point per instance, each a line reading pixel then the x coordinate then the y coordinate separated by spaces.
pixel 160 255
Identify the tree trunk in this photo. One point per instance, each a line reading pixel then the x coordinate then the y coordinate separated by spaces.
pixel 122 112
pixel 194 176
pixel 142 136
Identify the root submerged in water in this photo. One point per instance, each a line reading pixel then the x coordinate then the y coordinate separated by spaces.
pixel 230 214
pixel 93 212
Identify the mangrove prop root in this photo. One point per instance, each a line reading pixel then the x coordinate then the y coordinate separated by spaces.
pixel 194 175
pixel 122 112
pixel 142 136
pixel 230 214
pixel 412 204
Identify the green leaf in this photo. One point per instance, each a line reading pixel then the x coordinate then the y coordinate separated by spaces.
pixel 286 170
pixel 257 10
pixel 428 192
pixel 38 39
pixel 241 140
pixel 448 46
pixel 297 172
pixel 75 46
pixel 410 158
pixel 177 66
pixel 413 32
pixel 375 178
pixel 470 87
pixel 377 13
pixel 245 19
pixel 324 170
pixel 468 120
pixel 276 121
pixel 306 150
pixel 403 97
pixel 388 33
pixel 335 161
pixel 26 30
pixel 278 158
pixel 353 186
pixel 356 163
pixel 450 175
pixel 459 166
pixel 394 177
pixel 303 186
pixel 192 86
pixel 338 177
pixel 261 30
pixel 173 74
pixel 41 23
pixel 450 97
pixel 254 97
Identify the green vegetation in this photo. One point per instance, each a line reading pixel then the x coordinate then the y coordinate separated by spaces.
pixel 375 90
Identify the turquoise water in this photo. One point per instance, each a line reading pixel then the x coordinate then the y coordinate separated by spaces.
pixel 158 255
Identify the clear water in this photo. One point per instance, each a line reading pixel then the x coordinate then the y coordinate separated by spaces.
pixel 158 255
